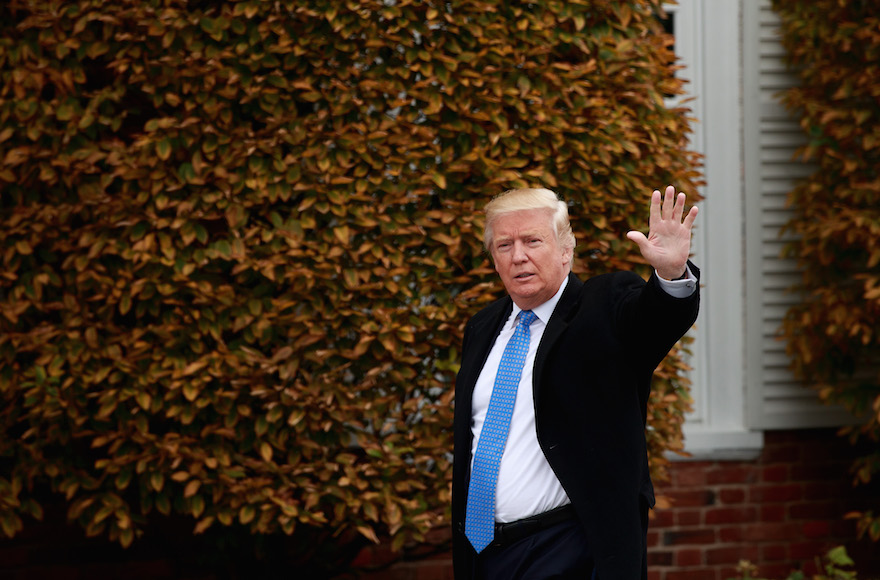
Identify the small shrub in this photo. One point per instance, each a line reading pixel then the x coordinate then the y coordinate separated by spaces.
pixel 830 567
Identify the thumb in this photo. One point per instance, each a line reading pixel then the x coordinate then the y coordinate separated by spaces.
pixel 638 237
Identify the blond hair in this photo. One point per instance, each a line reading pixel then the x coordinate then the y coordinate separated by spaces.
pixel 526 199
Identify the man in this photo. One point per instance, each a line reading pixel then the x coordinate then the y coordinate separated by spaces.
pixel 550 475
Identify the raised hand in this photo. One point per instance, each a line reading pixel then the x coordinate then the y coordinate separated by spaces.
pixel 668 243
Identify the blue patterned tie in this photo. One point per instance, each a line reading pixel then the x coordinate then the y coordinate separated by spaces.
pixel 479 522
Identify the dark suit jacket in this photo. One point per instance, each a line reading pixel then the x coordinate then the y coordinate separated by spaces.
pixel 592 377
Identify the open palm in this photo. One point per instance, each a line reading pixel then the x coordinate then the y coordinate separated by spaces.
pixel 668 243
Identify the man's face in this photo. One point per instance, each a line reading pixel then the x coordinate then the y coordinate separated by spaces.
pixel 528 257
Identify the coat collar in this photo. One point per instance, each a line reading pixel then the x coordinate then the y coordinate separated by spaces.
pixel 560 320
pixel 486 330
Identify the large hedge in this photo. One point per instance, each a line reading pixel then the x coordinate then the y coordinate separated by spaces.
pixel 240 241
pixel 834 335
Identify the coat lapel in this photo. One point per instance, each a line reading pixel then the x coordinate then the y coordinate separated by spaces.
pixel 483 337
pixel 559 321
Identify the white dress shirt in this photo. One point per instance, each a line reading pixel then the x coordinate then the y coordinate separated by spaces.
pixel 526 483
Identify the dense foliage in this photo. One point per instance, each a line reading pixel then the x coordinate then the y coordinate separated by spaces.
pixel 834 335
pixel 240 241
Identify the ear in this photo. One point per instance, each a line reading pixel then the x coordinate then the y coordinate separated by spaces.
pixel 567 254
pixel 493 260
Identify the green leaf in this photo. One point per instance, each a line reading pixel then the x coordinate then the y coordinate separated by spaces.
pixel 839 557
pixel 65 112
pixel 224 248
pixel 163 149
pixel 246 514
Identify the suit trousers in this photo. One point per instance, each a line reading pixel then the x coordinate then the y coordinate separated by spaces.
pixel 559 552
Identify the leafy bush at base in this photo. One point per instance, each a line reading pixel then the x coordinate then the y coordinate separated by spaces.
pixel 830 567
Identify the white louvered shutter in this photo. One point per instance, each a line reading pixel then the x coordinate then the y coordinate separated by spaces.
pixel 775 400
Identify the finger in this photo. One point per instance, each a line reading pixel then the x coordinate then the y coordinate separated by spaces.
pixel 690 217
pixel 656 214
pixel 678 210
pixel 668 202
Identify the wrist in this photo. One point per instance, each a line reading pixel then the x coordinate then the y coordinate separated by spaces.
pixel 672 276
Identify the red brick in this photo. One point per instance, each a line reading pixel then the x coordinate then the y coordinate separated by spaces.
pixel 694 498
pixel 783 531
pixel 730 495
pixel 731 515
pixel 686 537
pixel 689 557
pixel 688 518
pixel 817 529
pixel 653 539
pixel 817 471
pixel 820 491
pixel 814 510
pixel 781 454
pixel 656 558
pixel 730 474
pixel 774 552
pixel 731 554
pixel 654 575
pixel 731 534
pixel 821 450
pixel 662 518
pixel 775 493
pixel 774 570
pixel 694 574
pixel 803 551
pixel 772 513
pixel 775 474
pixel 841 528
pixel 692 476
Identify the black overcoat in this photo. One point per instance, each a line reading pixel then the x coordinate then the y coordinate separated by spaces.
pixel 592 377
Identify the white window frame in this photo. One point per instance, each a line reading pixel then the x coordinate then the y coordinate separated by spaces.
pixel 708 44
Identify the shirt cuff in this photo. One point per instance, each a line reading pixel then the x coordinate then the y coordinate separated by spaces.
pixel 681 288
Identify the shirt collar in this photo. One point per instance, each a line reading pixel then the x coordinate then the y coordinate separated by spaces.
pixel 544 311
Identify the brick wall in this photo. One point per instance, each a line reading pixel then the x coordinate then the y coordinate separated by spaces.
pixel 778 511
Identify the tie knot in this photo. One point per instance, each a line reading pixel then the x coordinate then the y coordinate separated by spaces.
pixel 527 317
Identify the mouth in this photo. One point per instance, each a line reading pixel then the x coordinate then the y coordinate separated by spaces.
pixel 523 276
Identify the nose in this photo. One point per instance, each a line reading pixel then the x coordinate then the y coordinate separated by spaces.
pixel 519 253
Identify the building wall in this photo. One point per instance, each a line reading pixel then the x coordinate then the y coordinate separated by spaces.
pixel 779 511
